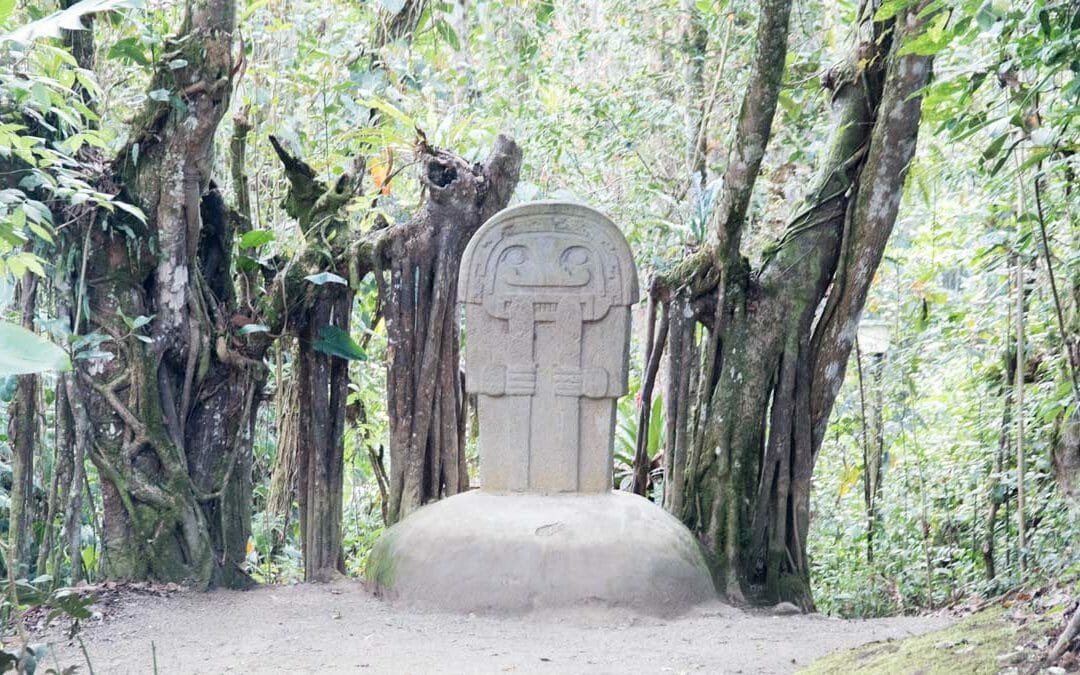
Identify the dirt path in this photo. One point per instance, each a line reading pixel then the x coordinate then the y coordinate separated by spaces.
pixel 340 628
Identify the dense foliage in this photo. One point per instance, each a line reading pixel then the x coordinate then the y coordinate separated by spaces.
pixel 916 490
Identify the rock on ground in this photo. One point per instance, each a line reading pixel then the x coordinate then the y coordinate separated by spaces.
pixel 342 628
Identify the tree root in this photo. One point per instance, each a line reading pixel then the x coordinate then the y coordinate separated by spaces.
pixel 1072 629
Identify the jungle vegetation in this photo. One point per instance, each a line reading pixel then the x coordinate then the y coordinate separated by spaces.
pixel 229 236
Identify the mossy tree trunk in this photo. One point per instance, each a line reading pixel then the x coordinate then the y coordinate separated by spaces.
pixel 747 423
pixel 170 404
pixel 320 379
pixel 322 382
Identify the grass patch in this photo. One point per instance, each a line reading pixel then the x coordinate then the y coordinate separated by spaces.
pixel 972 645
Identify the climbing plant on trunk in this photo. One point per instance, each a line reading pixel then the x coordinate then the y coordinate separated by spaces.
pixel 750 391
pixel 169 388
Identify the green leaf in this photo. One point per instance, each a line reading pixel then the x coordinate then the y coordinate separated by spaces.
pixel 932 40
pixel 130 208
pixel 53 25
pixel 23 352
pixel 246 263
pixel 6 6
pixel 994 148
pixel 326 277
pixel 129 49
pixel 889 9
pixel 1044 22
pixel 447 32
pixel 70 602
pixel 384 106
pixel 40 95
pixel 256 238
pixel 336 342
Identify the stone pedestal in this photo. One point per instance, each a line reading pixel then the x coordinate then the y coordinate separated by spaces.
pixel 547 289
pixel 479 552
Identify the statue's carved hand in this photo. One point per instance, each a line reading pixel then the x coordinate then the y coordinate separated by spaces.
pixel 567 381
pixel 521 380
pixel 499 380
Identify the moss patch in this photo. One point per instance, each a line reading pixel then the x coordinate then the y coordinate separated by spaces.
pixel 380 568
pixel 971 646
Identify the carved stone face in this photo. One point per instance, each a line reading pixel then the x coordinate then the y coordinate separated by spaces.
pixel 531 263
pixel 549 252
pixel 547 269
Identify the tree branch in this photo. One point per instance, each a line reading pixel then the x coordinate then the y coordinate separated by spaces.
pixel 754 126
pixel 873 213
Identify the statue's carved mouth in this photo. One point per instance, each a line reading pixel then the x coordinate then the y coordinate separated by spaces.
pixel 550 279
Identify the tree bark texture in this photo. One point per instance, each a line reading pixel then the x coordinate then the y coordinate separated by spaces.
pixel 283 476
pixel 425 397
pixel 23 431
pixel 171 409
pixel 777 338
pixel 323 382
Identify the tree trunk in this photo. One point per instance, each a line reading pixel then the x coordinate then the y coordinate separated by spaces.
pixel 77 479
pixel 283 475
pixel 171 408
pixel 425 398
pixel 873 442
pixel 695 43
pixel 323 382
pixel 778 338
pixel 23 431
pixel 996 493
pixel 48 555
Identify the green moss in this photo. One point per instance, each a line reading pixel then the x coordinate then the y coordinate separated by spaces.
pixel 970 646
pixel 793 588
pixel 380 568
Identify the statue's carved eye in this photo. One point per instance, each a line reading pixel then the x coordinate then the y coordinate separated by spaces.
pixel 575 255
pixel 515 255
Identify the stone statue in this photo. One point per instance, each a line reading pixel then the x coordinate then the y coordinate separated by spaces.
pixel 547 290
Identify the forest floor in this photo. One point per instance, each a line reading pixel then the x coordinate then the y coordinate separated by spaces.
pixel 342 628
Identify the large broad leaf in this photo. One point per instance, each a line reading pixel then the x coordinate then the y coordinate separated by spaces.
pixel 326 278
pixel 256 238
pixel 336 342
pixel 23 352
pixel 67 19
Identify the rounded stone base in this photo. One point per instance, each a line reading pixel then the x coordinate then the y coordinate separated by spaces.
pixel 478 552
